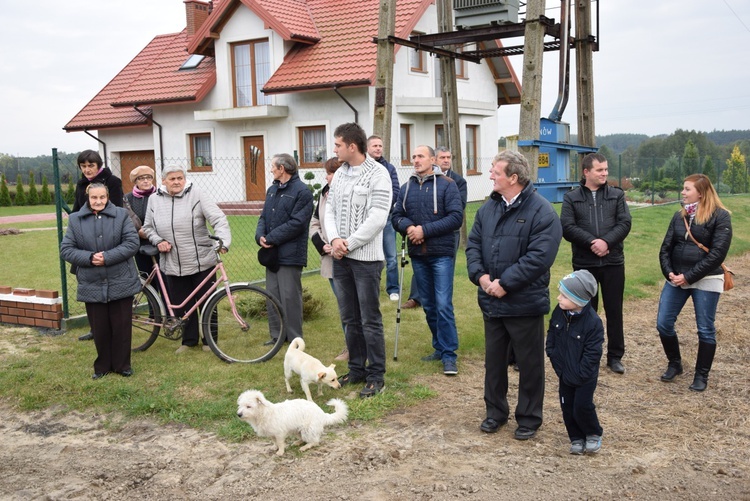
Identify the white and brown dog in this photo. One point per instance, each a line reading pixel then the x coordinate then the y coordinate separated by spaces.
pixel 309 368
pixel 299 417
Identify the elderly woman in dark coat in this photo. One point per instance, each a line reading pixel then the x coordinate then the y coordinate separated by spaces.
pixel 101 241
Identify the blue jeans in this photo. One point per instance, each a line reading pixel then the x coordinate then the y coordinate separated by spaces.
pixel 435 283
pixel 389 248
pixel 358 294
pixel 674 298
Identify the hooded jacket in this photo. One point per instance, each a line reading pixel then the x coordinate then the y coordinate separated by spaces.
pixel 434 202
pixel 680 255
pixel 574 345
pixel 518 245
pixel 285 220
pixel 585 218
pixel 181 220
pixel 111 232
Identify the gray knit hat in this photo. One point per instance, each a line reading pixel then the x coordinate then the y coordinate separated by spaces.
pixel 579 287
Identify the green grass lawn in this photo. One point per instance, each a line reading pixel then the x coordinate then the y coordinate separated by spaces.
pixel 26 209
pixel 199 390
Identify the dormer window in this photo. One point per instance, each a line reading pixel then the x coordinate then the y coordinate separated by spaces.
pixel 251 69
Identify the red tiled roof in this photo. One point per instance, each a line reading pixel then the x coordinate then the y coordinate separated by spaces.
pixel 152 77
pixel 345 56
pixel 291 19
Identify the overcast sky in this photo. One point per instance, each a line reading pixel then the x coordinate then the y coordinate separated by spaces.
pixel 661 66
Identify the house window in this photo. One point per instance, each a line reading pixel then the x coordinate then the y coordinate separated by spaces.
pixel 312 145
pixel 200 152
pixel 472 160
pixel 439 136
pixel 251 69
pixel 405 137
pixel 460 65
pixel 417 59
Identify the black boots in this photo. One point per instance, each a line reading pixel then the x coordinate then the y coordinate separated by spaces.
pixel 672 349
pixel 703 363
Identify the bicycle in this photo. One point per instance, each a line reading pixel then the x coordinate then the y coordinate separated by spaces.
pixel 235 323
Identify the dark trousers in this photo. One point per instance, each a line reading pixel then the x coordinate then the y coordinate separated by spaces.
pixel 111 325
pixel 179 289
pixel 579 411
pixel 526 336
pixel 358 294
pixel 611 281
pixel 286 286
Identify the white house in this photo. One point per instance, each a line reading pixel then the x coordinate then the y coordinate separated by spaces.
pixel 250 78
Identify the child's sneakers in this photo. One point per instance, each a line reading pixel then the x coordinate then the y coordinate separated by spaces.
pixel 576 447
pixel 593 443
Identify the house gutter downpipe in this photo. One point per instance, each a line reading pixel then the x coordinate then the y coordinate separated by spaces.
pixel 356 113
pixel 161 142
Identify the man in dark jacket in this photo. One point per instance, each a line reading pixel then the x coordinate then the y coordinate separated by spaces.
pixel 511 247
pixel 375 150
pixel 427 213
pixel 596 220
pixel 284 224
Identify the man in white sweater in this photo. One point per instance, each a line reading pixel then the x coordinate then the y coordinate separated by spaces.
pixel 359 202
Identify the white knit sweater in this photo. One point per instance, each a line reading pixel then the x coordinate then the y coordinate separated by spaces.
pixel 358 206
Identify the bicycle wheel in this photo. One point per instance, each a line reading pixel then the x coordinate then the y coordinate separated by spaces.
pixel 148 314
pixel 232 341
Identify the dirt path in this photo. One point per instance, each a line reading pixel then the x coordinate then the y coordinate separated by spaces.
pixel 661 441
pixel 29 218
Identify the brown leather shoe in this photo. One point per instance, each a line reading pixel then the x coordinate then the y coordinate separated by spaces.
pixel 410 304
pixel 343 356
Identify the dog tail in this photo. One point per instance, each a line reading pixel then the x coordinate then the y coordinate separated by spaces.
pixel 341 413
pixel 297 344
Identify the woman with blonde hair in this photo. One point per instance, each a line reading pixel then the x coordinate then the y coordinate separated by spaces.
pixel 693 273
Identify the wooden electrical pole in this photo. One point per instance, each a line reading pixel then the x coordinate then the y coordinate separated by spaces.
pixel 585 74
pixel 531 92
pixel 451 123
pixel 382 116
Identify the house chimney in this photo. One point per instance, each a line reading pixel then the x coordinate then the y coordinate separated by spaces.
pixel 196 12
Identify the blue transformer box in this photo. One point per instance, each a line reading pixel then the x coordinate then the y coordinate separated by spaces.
pixel 553 178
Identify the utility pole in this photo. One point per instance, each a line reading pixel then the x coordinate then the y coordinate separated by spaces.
pixel 531 92
pixel 382 116
pixel 584 74
pixel 451 125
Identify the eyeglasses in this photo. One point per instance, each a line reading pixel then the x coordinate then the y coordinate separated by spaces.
pixel 145 177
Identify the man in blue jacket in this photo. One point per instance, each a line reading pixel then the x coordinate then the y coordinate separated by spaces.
pixel 428 212
pixel 284 224
pixel 511 248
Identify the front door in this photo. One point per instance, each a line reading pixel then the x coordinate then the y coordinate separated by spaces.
pixel 129 160
pixel 255 168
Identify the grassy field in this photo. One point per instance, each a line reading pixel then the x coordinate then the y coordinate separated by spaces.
pixel 199 390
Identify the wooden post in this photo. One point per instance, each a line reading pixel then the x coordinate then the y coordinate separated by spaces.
pixel 584 74
pixel 531 92
pixel 382 116
pixel 451 122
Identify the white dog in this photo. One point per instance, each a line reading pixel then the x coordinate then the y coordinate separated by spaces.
pixel 309 368
pixel 297 416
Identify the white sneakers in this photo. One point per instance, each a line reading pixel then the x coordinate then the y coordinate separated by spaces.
pixel 394 296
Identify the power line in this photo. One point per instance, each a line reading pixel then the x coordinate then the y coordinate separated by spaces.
pixel 735 15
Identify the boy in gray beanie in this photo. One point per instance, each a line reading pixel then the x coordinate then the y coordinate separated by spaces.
pixel 574 347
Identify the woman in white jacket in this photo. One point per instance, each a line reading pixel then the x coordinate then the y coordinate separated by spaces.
pixel 175 223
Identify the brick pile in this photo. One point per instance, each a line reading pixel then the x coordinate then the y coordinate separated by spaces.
pixel 34 308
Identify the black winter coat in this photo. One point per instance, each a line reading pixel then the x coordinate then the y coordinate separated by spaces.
pixel 111 232
pixel 285 220
pixel 680 255
pixel 518 245
pixel 574 345
pixel 585 219
pixel 105 177
pixel 435 204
